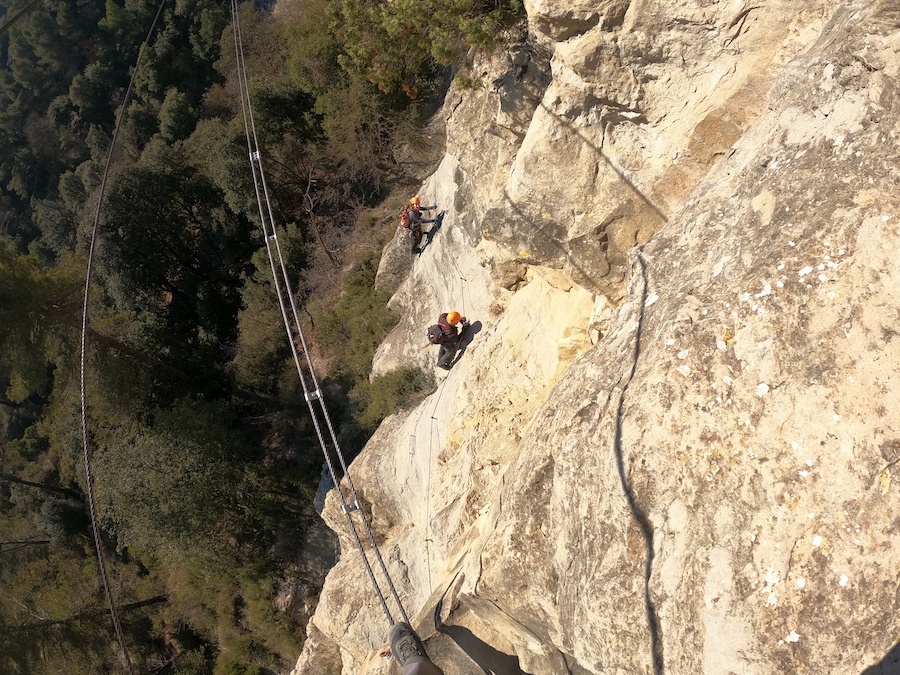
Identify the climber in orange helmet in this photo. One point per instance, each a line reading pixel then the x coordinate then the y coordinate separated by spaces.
pixel 411 219
pixel 444 333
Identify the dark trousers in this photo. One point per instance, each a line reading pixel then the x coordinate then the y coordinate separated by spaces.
pixel 447 352
pixel 415 233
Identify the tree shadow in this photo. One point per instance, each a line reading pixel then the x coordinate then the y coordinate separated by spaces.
pixel 889 665
pixel 465 340
pixel 433 230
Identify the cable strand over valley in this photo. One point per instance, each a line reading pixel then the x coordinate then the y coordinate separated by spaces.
pixel 311 389
pixel 85 435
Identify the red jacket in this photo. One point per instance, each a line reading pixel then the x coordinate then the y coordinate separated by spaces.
pixel 448 329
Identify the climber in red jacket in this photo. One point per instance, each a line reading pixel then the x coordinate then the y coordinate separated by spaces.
pixel 444 333
pixel 411 219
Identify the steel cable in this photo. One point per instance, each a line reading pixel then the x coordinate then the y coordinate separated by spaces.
pixel 89 478
pixel 294 331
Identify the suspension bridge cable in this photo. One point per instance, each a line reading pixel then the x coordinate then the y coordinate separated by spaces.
pixel 18 15
pixel 89 478
pixel 312 394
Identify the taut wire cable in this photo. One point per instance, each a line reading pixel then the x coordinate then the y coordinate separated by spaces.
pixel 311 389
pixel 89 478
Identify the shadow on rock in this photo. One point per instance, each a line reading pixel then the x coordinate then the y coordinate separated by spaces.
pixel 490 660
pixel 466 339
pixel 889 665
pixel 433 230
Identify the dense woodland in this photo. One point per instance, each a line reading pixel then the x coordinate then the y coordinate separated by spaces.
pixel 204 462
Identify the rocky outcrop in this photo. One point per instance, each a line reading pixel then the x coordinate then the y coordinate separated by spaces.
pixel 671 445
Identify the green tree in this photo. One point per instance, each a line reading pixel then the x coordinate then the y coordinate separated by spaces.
pixel 138 127
pixel 170 490
pixel 174 252
pixel 91 93
pixel 353 327
pixel 36 314
pixel 397 45
pixel 177 116
pixel 56 223
pixel 219 150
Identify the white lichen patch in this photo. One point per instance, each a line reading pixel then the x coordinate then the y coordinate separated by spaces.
pixel 771 579
pixel 762 389
pixel 817 541
pixel 793 636
pixel 884 482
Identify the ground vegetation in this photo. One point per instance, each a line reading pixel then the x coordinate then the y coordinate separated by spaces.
pixel 204 460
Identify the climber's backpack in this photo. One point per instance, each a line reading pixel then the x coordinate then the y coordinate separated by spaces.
pixel 436 335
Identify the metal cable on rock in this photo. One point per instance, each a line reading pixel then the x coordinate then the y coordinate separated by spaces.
pixel 428 531
pixel 311 388
pixel 465 285
pixel 89 478
pixel 433 432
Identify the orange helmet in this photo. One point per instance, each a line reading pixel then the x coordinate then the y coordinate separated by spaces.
pixel 414 200
pixel 453 317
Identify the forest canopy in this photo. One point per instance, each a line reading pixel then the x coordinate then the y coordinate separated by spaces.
pixel 205 463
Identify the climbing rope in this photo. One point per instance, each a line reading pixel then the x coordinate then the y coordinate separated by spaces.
pixel 311 388
pixel 85 444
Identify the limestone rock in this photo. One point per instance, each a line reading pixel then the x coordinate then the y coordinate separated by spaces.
pixel 672 444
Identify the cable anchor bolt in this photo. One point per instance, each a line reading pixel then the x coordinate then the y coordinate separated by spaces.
pixel 313 395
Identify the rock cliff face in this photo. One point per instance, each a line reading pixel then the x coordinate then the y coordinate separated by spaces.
pixel 673 442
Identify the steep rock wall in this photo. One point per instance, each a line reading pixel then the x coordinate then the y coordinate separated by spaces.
pixel 671 446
